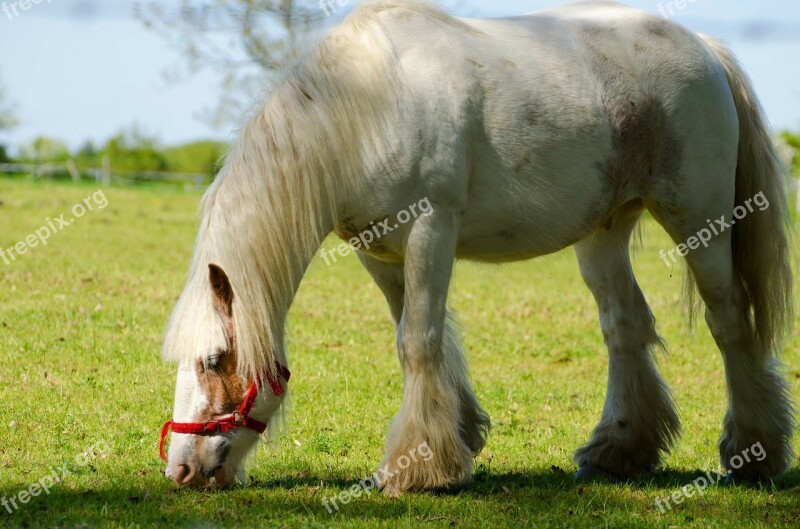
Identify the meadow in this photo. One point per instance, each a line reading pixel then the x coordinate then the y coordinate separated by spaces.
pixel 83 388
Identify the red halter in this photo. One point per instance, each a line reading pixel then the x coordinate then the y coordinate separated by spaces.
pixel 232 421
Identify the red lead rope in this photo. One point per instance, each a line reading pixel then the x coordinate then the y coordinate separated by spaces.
pixel 232 421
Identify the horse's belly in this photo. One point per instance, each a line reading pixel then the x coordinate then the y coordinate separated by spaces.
pixel 517 211
pixel 516 238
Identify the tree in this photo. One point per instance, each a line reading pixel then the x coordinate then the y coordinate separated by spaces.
pixel 792 143
pixel 88 155
pixel 196 157
pixel 7 122
pixel 133 150
pixel 7 119
pixel 43 149
pixel 247 42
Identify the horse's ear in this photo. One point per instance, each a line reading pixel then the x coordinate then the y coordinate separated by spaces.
pixel 223 293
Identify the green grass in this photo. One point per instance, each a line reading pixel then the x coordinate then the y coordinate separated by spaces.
pixel 81 322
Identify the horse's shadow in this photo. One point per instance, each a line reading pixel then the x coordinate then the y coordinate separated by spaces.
pixel 485 483
pixel 164 505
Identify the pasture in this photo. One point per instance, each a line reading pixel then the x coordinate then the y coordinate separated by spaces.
pixel 82 384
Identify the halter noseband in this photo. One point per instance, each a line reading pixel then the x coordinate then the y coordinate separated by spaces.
pixel 234 420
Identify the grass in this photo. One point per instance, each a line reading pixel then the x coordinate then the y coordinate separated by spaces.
pixel 81 323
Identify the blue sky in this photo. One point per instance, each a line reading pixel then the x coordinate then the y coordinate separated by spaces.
pixel 84 69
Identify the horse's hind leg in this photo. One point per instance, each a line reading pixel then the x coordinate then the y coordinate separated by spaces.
pixel 758 426
pixel 441 426
pixel 639 420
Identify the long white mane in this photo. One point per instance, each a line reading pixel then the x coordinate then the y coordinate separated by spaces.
pixel 276 197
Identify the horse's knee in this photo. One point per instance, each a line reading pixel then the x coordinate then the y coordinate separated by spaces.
pixel 420 351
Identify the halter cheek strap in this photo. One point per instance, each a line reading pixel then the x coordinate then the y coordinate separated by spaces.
pixel 233 421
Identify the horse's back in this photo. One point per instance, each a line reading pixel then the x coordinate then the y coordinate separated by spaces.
pixel 565 115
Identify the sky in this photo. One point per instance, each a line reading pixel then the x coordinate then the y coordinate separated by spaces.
pixel 85 69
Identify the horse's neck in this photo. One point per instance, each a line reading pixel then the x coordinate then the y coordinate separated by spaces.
pixel 265 251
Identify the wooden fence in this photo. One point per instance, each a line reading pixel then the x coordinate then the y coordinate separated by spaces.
pixel 105 175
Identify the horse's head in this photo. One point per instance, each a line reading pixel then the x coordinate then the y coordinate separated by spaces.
pixel 218 413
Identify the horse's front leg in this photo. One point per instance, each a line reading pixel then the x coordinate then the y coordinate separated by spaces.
pixel 440 427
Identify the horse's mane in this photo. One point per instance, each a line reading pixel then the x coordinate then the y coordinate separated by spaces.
pixel 274 201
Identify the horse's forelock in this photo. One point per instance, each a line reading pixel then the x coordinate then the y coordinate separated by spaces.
pixel 194 328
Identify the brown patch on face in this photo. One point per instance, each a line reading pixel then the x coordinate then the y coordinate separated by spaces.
pixel 217 374
pixel 224 388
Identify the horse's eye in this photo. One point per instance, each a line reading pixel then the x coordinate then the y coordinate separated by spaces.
pixel 211 363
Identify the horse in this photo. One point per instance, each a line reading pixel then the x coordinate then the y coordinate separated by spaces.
pixel 525 136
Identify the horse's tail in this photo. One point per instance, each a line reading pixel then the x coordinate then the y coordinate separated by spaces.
pixel 761 241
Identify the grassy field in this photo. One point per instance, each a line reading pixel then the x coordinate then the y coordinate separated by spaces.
pixel 81 321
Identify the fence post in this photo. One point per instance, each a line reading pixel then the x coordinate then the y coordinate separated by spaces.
pixel 73 170
pixel 106 171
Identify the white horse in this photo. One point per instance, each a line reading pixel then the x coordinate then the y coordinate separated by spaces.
pixel 525 135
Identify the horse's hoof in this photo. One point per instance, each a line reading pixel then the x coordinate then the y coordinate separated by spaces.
pixel 589 473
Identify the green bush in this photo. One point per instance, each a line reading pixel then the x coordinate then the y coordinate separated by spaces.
pixel 197 157
pixel 793 140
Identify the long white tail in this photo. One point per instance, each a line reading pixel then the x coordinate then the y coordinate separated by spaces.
pixel 761 243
